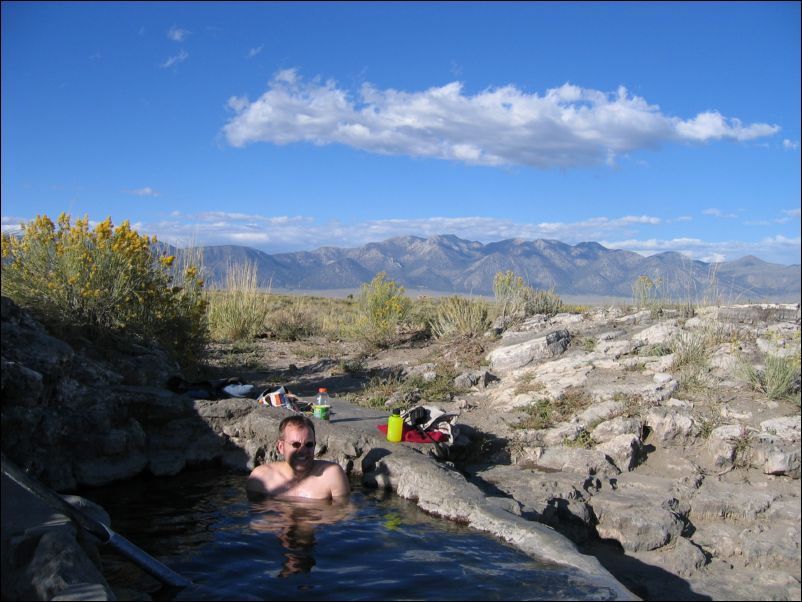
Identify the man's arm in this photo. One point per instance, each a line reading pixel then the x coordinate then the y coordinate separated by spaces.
pixel 340 486
pixel 259 479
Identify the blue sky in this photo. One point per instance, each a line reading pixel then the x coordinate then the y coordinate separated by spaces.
pixel 290 126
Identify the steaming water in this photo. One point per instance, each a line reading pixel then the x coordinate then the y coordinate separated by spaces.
pixel 203 526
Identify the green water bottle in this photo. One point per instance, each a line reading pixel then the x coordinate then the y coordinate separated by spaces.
pixel 395 426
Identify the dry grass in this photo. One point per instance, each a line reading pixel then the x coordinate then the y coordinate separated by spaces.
pixel 240 310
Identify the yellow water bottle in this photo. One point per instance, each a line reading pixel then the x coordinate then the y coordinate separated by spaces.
pixel 395 426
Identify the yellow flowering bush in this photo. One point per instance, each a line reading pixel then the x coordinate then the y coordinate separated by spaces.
pixel 383 308
pixel 107 278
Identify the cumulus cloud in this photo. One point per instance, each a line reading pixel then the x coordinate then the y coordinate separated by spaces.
pixel 287 233
pixel 254 51
pixel 791 144
pixel 11 225
pixel 175 60
pixel 292 233
pixel 565 127
pixel 777 249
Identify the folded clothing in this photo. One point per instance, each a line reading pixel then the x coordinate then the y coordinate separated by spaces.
pixel 413 435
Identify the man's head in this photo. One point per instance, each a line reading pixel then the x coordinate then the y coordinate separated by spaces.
pixel 297 443
pixel 296 420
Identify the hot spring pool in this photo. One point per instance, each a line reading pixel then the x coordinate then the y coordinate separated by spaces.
pixel 380 547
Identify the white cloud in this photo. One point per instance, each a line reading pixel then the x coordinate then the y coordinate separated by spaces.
pixel 286 233
pixel 254 51
pixel 567 126
pixel 146 191
pixel 715 212
pixel 776 249
pixel 792 212
pixel 292 233
pixel 176 34
pixel 11 225
pixel 175 60
pixel 714 126
pixel 791 144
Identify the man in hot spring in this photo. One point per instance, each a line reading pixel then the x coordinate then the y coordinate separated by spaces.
pixel 299 475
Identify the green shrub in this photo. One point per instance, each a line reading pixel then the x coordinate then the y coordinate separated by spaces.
pixel 781 375
pixel 539 415
pixel 583 440
pixel 778 379
pixel 104 280
pixel 655 349
pixel 690 350
pixel 460 317
pixel 514 298
pixel 383 308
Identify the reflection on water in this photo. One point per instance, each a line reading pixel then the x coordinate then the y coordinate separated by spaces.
pixel 375 546
pixel 294 523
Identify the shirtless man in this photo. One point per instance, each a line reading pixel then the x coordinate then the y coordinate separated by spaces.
pixel 299 475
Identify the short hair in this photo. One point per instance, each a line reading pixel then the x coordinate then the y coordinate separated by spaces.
pixel 298 421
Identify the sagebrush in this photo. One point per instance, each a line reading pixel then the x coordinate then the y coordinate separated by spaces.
pixel 104 278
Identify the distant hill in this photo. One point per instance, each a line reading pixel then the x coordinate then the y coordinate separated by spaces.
pixel 450 264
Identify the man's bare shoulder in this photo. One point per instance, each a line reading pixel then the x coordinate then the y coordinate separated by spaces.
pixel 263 476
pixel 334 475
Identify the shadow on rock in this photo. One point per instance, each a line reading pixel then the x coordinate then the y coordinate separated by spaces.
pixel 647 581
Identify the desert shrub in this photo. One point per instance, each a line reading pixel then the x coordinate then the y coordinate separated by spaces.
pixel 299 319
pixel 690 350
pixel 778 379
pixel 583 440
pixel 514 298
pixel 545 413
pixel 655 349
pixel 460 317
pixel 422 315
pixel 538 415
pixel 109 279
pixel 383 308
pixel 690 362
pixel 239 311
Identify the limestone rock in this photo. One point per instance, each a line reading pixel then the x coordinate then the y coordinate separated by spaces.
pixel 521 354
pixel 609 429
pixel 633 524
pixel 661 332
pixel 729 501
pixel 623 450
pixel 58 563
pixel 669 426
pixel 686 557
pixel 787 427
pixel 582 461
pixel 600 411
pixel 474 378
pixel 20 384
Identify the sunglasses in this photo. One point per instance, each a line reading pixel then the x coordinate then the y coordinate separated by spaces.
pixel 307 445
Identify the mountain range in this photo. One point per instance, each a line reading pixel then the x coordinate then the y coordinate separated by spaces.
pixel 449 264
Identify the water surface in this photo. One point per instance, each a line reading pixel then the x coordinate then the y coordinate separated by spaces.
pixel 379 546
